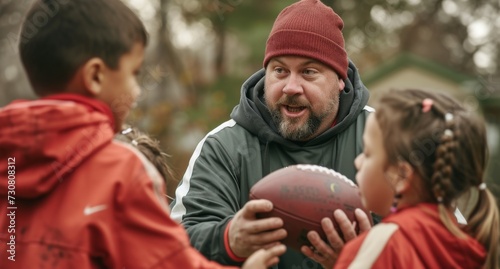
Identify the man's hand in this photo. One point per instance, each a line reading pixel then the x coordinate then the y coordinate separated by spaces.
pixel 264 258
pixel 327 253
pixel 248 234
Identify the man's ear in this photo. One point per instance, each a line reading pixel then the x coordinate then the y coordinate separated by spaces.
pixel 341 84
pixel 93 75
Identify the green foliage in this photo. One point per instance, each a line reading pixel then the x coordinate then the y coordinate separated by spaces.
pixel 218 100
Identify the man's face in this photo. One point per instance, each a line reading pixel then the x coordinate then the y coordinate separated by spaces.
pixel 302 95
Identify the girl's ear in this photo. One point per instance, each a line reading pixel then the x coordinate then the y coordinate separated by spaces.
pixel 93 75
pixel 406 176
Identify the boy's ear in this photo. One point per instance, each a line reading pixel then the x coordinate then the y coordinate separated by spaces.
pixel 93 75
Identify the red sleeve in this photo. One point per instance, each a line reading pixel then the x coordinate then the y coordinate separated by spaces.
pixel 148 237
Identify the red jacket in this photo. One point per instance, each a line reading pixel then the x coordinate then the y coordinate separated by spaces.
pixel 77 198
pixel 412 238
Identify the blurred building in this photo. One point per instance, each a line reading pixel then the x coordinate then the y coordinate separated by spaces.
pixel 411 71
pixel 475 92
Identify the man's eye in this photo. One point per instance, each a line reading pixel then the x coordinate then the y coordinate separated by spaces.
pixel 309 72
pixel 279 70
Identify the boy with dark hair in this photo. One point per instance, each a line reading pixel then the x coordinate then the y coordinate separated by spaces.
pixel 70 196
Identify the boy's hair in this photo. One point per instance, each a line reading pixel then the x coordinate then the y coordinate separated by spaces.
pixel 58 36
pixel 149 148
pixel 446 146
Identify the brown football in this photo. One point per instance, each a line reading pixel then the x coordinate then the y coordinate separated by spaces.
pixel 303 195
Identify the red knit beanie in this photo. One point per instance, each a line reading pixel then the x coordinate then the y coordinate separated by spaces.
pixel 310 29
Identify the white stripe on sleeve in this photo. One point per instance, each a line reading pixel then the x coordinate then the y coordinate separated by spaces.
pixel 372 246
pixel 178 210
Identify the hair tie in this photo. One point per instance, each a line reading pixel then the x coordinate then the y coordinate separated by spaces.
pixel 482 186
pixel 448 133
pixel 448 117
pixel 126 131
pixel 427 105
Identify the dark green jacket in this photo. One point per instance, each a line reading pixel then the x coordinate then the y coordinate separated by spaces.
pixel 235 155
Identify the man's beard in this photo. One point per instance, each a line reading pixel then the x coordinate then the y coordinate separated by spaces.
pixel 289 128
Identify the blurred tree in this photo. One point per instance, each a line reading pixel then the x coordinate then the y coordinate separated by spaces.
pixel 13 82
pixel 461 34
pixel 244 23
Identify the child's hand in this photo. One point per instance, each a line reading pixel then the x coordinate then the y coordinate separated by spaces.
pixel 327 253
pixel 264 258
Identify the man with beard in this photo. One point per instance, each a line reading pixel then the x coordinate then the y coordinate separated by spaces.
pixel 307 106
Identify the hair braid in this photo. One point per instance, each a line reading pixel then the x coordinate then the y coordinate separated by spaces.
pixel 441 180
pixel 150 148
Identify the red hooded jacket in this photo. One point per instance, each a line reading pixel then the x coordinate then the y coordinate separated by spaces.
pixel 414 238
pixel 71 197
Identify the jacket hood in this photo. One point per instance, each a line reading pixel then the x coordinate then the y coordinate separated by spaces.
pixel 46 139
pixel 253 115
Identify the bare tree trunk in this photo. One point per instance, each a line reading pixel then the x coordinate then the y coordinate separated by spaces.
pixel 220 59
pixel 169 57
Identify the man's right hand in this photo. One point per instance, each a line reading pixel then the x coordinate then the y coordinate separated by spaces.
pixel 248 234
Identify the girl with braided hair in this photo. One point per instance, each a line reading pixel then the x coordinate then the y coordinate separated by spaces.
pixel 151 149
pixel 422 151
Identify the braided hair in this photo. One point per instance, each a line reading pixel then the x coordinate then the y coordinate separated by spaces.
pixel 446 146
pixel 150 148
